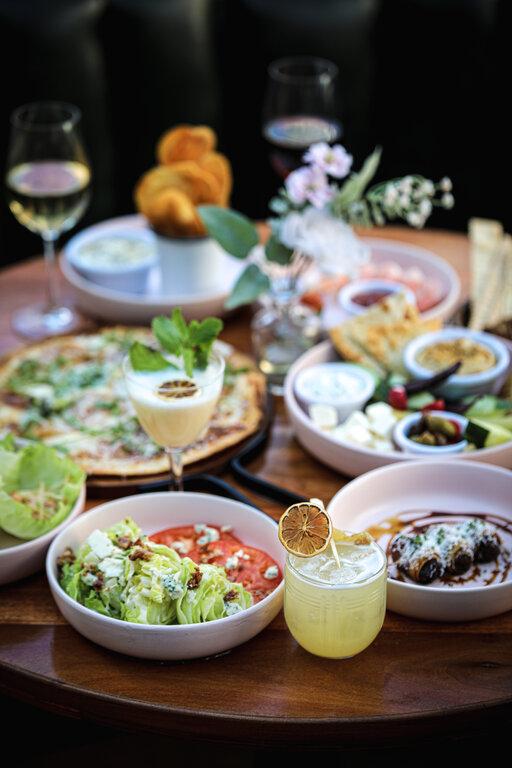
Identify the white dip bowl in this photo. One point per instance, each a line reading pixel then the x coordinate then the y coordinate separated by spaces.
pixel 120 261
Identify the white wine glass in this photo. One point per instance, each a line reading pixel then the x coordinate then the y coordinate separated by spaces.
pixel 47 183
pixel 174 408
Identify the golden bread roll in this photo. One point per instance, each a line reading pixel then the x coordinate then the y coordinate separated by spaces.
pixel 185 142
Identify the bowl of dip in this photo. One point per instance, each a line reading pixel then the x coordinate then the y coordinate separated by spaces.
pixel 120 261
pixel 343 386
pixel 485 360
pixel 356 297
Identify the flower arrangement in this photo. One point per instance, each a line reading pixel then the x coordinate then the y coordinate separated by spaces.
pixel 315 211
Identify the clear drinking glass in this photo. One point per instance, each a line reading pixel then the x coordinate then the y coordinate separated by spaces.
pixel 336 620
pixel 299 109
pixel 47 183
pixel 174 409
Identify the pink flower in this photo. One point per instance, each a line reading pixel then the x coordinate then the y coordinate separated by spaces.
pixel 332 160
pixel 309 185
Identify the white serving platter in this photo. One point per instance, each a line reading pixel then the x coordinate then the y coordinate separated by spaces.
pixel 121 306
pixel 155 512
pixel 350 459
pixel 454 486
pixel 406 255
pixel 19 559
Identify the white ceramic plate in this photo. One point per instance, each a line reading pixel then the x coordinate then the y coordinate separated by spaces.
pixel 154 512
pixel 456 486
pixel 406 255
pixel 345 457
pixel 24 559
pixel 119 306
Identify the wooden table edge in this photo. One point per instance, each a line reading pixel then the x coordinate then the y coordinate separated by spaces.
pixel 136 714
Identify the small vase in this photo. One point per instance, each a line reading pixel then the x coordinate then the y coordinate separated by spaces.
pixel 283 328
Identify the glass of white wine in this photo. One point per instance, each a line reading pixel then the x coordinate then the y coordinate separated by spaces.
pixel 48 185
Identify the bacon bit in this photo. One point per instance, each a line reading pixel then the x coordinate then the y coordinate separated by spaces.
pixel 139 543
pixel 68 556
pixel 98 584
pixel 195 579
pixel 124 542
pixel 231 595
pixel 14 399
pixel 140 554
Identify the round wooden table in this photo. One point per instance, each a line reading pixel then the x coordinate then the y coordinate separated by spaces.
pixel 417 679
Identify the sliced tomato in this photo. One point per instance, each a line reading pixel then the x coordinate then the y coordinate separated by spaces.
pixel 250 570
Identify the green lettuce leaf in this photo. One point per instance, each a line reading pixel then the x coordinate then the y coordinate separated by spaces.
pixel 38 488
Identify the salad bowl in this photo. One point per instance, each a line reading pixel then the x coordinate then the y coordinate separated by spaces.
pixel 460 487
pixel 347 457
pixel 154 512
pixel 20 560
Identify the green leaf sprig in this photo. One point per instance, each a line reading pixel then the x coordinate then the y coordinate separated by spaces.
pixel 190 341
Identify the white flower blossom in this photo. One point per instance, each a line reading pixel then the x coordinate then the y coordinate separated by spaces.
pixel 425 208
pixel 447 200
pixel 404 201
pixel 331 242
pixel 309 184
pixel 427 187
pixel 390 194
pixel 415 219
pixel 446 184
pixel 405 185
pixel 334 161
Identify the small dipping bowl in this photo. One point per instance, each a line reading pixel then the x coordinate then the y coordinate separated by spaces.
pixel 359 295
pixel 404 443
pixel 344 386
pixel 132 256
pixel 458 386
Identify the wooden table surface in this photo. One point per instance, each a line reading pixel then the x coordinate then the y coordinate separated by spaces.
pixel 417 678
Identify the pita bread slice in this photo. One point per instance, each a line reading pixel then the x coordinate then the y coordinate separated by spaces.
pixel 380 335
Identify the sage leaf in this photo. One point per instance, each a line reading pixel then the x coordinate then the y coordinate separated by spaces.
pixel 277 252
pixel 251 283
pixel 233 231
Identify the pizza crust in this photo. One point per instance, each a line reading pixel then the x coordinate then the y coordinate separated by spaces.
pixel 247 395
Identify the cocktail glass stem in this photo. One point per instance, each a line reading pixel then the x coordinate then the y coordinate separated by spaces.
pixel 51 270
pixel 176 462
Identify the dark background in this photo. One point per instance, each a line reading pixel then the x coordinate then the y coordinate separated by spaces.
pixel 427 79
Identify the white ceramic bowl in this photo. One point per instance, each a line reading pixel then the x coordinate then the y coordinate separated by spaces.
pixel 456 386
pixel 356 287
pixel 408 256
pixel 131 278
pixel 23 560
pixel 454 486
pixel 128 307
pixel 345 457
pixel 320 377
pixel 154 512
pixel 402 440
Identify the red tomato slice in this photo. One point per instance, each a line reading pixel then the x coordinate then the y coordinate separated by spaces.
pixel 249 571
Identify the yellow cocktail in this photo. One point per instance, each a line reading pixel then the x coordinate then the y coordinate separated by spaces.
pixel 336 612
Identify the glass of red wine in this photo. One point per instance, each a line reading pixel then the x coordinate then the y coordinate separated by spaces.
pixel 48 185
pixel 299 109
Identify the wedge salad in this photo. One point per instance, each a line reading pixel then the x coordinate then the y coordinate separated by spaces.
pixel 122 573
pixel 38 488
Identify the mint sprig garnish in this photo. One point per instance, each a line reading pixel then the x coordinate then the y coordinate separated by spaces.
pixel 192 342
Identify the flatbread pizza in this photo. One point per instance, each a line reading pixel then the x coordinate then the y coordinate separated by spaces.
pixel 69 392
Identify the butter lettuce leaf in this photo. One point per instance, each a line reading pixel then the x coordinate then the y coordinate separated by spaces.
pixel 38 488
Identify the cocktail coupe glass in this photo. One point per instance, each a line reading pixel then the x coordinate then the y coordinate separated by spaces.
pixel 173 408
pixel 336 620
pixel 47 183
